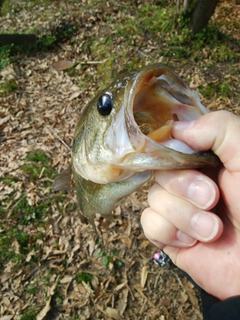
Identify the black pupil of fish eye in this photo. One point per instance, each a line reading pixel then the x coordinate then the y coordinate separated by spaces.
pixel 105 105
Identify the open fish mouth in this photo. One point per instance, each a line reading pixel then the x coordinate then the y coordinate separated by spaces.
pixel 158 99
pixel 155 99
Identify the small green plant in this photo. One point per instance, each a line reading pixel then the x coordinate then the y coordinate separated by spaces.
pixel 5 52
pixel 58 297
pixel 29 314
pixel 23 240
pixel 47 41
pixel 110 259
pixel 7 87
pixel 106 260
pixel 31 289
pixel 83 276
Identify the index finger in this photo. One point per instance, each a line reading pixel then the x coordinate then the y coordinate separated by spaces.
pixel 218 131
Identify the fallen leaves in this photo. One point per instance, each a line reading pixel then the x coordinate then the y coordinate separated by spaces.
pixel 42 314
pixel 41 114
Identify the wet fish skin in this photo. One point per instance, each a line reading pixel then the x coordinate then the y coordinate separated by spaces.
pixel 102 198
pixel 112 157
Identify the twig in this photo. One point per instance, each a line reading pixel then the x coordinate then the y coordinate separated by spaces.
pixel 131 215
pixel 177 277
pixel 57 136
pixel 91 62
pixel 15 205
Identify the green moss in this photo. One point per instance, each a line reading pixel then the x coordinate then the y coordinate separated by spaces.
pixel 8 179
pixel 7 87
pixel 5 52
pixel 37 156
pixel 38 166
pixel 222 89
pixel 208 91
pixel 29 314
pixel 7 245
pixel 5 7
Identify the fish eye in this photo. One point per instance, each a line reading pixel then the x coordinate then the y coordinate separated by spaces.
pixel 105 105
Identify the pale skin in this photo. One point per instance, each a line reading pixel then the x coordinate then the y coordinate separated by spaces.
pixel 194 216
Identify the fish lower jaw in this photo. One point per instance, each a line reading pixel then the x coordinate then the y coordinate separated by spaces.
pixel 103 173
pixel 100 174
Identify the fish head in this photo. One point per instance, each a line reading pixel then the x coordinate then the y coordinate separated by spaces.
pixel 127 127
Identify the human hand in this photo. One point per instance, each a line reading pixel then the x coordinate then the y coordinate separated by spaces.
pixel 194 216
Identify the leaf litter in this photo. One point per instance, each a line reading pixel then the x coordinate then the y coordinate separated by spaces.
pixel 52 249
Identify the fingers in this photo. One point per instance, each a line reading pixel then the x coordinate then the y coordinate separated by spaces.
pixel 177 215
pixel 162 232
pixel 212 131
pixel 191 185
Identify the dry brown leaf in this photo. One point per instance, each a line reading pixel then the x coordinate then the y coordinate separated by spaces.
pixel 74 95
pixel 144 275
pixel 41 315
pixel 113 313
pixel 120 286
pixel 184 296
pixel 66 279
pixel 47 306
pixel 122 301
pixel 62 65
pixel 165 301
pixel 127 242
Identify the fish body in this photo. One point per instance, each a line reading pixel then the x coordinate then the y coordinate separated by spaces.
pixel 124 134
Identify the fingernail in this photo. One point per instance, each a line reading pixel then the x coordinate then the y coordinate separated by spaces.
pixel 205 225
pixel 182 125
pixel 185 238
pixel 201 193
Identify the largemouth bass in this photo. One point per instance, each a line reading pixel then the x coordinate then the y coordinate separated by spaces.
pixel 124 134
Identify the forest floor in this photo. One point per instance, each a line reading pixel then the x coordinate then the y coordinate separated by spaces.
pixel 52 266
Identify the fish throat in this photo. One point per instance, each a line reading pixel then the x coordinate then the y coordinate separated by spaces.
pixel 158 99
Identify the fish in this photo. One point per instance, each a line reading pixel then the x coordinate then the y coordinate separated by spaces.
pixel 124 134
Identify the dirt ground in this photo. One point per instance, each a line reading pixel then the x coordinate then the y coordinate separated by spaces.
pixel 67 271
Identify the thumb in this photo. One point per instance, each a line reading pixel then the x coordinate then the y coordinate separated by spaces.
pixel 218 131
